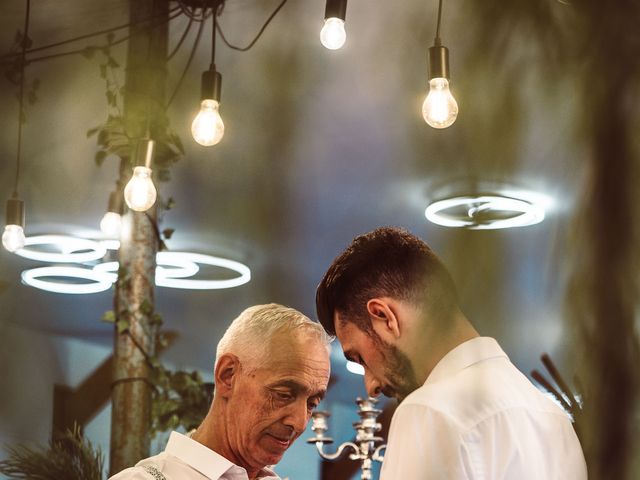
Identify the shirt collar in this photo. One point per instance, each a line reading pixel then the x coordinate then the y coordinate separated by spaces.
pixel 464 355
pixel 211 464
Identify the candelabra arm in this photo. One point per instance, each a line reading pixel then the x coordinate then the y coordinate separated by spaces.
pixel 376 454
pixel 341 449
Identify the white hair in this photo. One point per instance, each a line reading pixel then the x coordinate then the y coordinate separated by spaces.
pixel 250 333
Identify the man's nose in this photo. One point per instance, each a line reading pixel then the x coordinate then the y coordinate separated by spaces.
pixel 298 416
pixel 371 384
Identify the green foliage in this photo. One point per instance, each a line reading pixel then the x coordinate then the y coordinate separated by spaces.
pixel 118 135
pixel 109 317
pixel 68 457
pixel 181 399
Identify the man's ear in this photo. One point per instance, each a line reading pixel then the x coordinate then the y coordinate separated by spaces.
pixel 384 318
pixel 226 373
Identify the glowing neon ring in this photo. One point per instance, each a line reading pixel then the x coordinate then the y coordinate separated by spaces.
pixel 72 250
pixel 182 268
pixel 99 281
pixel 529 213
pixel 173 282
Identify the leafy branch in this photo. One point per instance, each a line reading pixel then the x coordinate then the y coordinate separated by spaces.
pixel 115 136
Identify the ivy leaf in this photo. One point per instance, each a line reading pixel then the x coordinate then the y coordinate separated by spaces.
pixel 168 232
pixel 156 319
pixel 122 325
pixel 92 131
pixel 103 137
pixel 109 317
pixel 163 341
pixel 146 307
pixel 170 204
pixel 100 156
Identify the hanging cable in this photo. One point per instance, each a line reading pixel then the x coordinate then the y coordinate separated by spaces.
pixel 176 13
pixel 88 35
pixel 252 43
pixel 181 41
pixel 436 40
pixel 188 64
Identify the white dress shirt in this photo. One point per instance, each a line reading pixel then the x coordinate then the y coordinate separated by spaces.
pixel 186 459
pixel 477 417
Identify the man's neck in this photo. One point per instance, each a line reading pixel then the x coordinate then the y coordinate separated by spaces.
pixel 212 433
pixel 441 342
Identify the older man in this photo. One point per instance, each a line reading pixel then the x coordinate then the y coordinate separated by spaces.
pixel 465 411
pixel 271 371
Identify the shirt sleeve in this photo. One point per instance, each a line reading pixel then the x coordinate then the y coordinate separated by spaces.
pixel 424 444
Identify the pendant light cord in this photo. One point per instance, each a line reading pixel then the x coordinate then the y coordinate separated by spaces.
pixel 25 40
pixel 217 4
pixel 437 39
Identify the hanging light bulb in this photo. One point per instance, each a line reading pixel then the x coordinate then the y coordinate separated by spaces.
pixel 110 223
pixel 439 109
pixel 207 128
pixel 333 34
pixel 140 193
pixel 13 236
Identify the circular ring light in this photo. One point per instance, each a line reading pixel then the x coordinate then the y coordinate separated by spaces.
pixel 99 282
pixel 180 268
pixel 69 249
pixel 162 280
pixel 484 212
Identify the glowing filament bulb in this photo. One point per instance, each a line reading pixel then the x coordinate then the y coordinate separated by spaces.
pixel 110 224
pixel 140 193
pixel 13 238
pixel 207 128
pixel 333 34
pixel 439 109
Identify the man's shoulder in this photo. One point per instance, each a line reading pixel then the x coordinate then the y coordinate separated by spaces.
pixel 148 469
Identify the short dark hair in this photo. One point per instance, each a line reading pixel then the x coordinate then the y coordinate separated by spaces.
pixel 387 261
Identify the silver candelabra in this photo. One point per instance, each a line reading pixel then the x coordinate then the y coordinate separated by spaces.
pixel 364 448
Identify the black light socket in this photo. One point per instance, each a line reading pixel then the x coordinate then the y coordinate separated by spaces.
pixel 438 62
pixel 336 9
pixel 15 212
pixel 116 205
pixel 211 85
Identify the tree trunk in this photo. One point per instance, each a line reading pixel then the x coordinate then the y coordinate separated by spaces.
pixel 135 343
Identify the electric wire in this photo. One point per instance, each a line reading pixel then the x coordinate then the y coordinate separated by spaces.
pixel 437 39
pixel 182 39
pixel 25 40
pixel 252 43
pixel 98 47
pixel 188 64
pixel 88 35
